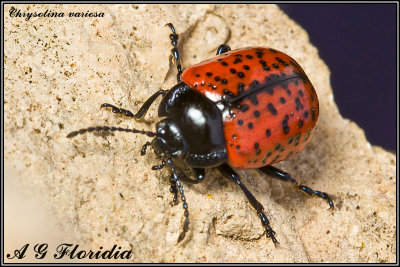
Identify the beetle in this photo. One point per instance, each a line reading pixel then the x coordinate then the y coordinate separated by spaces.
pixel 246 109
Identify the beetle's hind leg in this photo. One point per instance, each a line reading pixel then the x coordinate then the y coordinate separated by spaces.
pixel 228 172
pixel 284 176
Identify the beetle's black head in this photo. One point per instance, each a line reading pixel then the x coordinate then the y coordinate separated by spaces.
pixel 169 142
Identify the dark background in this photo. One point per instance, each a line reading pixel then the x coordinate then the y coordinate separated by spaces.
pixel 358 43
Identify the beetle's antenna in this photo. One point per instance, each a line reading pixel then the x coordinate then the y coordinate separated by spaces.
pixel 175 178
pixel 108 128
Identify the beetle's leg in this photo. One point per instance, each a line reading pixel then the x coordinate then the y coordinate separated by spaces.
pixel 173 190
pixel 182 177
pixel 175 52
pixel 158 167
pixel 223 49
pixel 144 148
pixel 284 176
pixel 228 172
pixel 145 107
pixel 199 174
pixel 175 178
pixel 142 111
pixel 117 110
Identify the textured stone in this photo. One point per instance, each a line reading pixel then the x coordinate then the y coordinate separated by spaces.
pixel 96 190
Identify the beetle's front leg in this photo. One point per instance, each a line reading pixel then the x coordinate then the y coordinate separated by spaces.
pixel 142 111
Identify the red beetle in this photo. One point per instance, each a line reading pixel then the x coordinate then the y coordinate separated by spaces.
pixel 245 108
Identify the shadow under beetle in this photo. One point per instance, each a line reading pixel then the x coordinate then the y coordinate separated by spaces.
pixel 244 108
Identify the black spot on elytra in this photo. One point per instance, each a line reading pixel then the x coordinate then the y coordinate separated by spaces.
pixel 305 114
pixel 277 156
pixel 272 109
pixel 254 84
pixel 265 67
pixel 237 60
pixel 281 61
pixel 244 108
pixel 272 50
pixel 237 147
pixel 240 87
pixel 312 97
pixel 307 135
pixel 290 140
pixel 282 100
pixel 224 81
pixel 240 122
pixel 246 67
pixel 277 146
pixel 233 71
pixel 256 114
pixel 258 152
pixel 197 75
pixel 299 105
pixel 313 114
pixel 300 123
pixel 286 130
pixel 249 56
pixel 262 62
pixel 268 132
pixel 209 74
pixel 301 93
pixel 296 139
pixel 229 93
pixel 285 126
pixel 274 76
pixel 256 145
pixel 238 55
pixel 224 63
pixel 217 78
pixel 253 99
pixel 240 74
pixel 276 66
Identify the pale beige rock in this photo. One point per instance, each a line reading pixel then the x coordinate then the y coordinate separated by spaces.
pixel 100 191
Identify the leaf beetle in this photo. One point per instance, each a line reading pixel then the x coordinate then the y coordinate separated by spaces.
pixel 246 109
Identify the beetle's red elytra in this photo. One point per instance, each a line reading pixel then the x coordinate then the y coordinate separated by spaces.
pixel 276 107
pixel 246 108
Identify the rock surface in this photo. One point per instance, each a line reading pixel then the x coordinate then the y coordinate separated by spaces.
pixel 97 191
